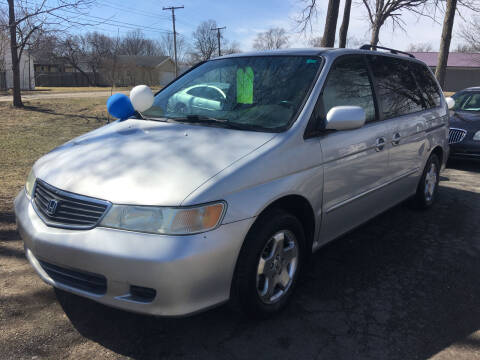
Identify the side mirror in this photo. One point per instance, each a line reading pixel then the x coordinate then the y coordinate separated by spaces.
pixel 345 118
pixel 450 102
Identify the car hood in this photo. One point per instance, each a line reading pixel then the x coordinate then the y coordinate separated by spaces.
pixel 465 120
pixel 145 162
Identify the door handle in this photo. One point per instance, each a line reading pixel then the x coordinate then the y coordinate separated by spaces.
pixel 380 144
pixel 396 139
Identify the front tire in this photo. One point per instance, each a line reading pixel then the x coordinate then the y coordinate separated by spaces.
pixel 269 264
pixel 428 186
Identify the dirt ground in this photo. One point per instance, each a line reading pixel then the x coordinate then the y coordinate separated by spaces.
pixel 404 286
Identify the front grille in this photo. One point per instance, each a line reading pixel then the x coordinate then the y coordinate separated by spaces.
pixel 456 135
pixel 93 283
pixel 59 208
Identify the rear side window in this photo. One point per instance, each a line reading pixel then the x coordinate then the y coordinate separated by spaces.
pixel 427 84
pixel 396 86
pixel 348 83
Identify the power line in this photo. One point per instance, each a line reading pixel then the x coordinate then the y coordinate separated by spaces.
pixel 109 21
pixel 218 37
pixel 172 8
pixel 132 10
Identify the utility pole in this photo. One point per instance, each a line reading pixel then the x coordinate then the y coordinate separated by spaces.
pixel 218 37
pixel 174 34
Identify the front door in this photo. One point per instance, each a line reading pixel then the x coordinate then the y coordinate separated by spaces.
pixel 355 161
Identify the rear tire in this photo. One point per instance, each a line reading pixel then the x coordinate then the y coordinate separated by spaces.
pixel 428 186
pixel 269 264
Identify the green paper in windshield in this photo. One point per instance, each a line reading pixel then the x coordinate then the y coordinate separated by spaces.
pixel 245 85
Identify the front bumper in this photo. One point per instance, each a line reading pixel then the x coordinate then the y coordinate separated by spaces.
pixel 467 149
pixel 188 273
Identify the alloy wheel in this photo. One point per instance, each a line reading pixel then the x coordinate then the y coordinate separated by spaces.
pixel 430 182
pixel 277 266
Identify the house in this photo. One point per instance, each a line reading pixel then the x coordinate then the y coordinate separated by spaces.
pixel 140 69
pixel 463 69
pixel 27 78
pixel 122 70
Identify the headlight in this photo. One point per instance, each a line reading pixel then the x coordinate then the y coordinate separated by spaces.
pixel 477 136
pixel 165 220
pixel 30 183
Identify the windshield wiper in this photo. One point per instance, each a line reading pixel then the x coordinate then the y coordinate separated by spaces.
pixel 200 119
pixel 152 118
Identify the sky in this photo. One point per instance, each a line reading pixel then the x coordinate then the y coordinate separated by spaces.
pixel 244 19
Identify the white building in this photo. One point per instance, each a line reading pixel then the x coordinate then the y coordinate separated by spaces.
pixel 27 76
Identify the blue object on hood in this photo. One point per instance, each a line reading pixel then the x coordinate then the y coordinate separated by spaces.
pixel 120 106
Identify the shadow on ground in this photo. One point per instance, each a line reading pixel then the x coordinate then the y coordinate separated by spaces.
pixel 403 286
pixel 465 165
pixel 47 110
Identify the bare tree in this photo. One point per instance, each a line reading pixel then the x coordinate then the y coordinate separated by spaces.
pixel 420 47
pixel 342 36
pixel 353 41
pixel 380 11
pixel 73 50
pixel 99 48
pixel 204 41
pixel 447 29
pixel 43 46
pixel 470 34
pixel 165 45
pixel 315 41
pixel 328 39
pixel 25 18
pixel 230 47
pixel 309 13
pixel 274 38
pixel 135 43
pixel 452 6
pixel 3 42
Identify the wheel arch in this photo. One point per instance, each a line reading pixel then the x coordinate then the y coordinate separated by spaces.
pixel 301 208
pixel 438 150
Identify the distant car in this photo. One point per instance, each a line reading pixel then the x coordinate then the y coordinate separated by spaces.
pixel 210 97
pixel 464 137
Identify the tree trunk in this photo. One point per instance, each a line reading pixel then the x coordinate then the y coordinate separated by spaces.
pixel 375 34
pixel 328 39
pixel 17 96
pixel 342 42
pixel 445 41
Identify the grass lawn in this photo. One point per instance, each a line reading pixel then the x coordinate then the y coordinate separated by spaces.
pixel 61 89
pixel 73 89
pixel 26 134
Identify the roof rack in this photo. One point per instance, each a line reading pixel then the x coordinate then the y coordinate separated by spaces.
pixel 393 51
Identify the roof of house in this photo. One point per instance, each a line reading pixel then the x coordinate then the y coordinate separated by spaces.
pixel 455 59
pixel 142 60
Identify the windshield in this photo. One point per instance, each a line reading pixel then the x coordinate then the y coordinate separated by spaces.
pixel 260 93
pixel 466 101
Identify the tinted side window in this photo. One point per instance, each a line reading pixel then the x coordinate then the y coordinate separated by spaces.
pixel 348 84
pixel 397 89
pixel 428 86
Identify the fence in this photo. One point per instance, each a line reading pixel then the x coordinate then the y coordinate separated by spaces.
pixel 3 80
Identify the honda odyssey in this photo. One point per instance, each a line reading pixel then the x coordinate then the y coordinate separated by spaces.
pixel 224 192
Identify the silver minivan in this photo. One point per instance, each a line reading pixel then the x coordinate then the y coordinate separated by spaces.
pixel 242 168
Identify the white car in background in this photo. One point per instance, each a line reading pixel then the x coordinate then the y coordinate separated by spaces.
pixel 207 96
